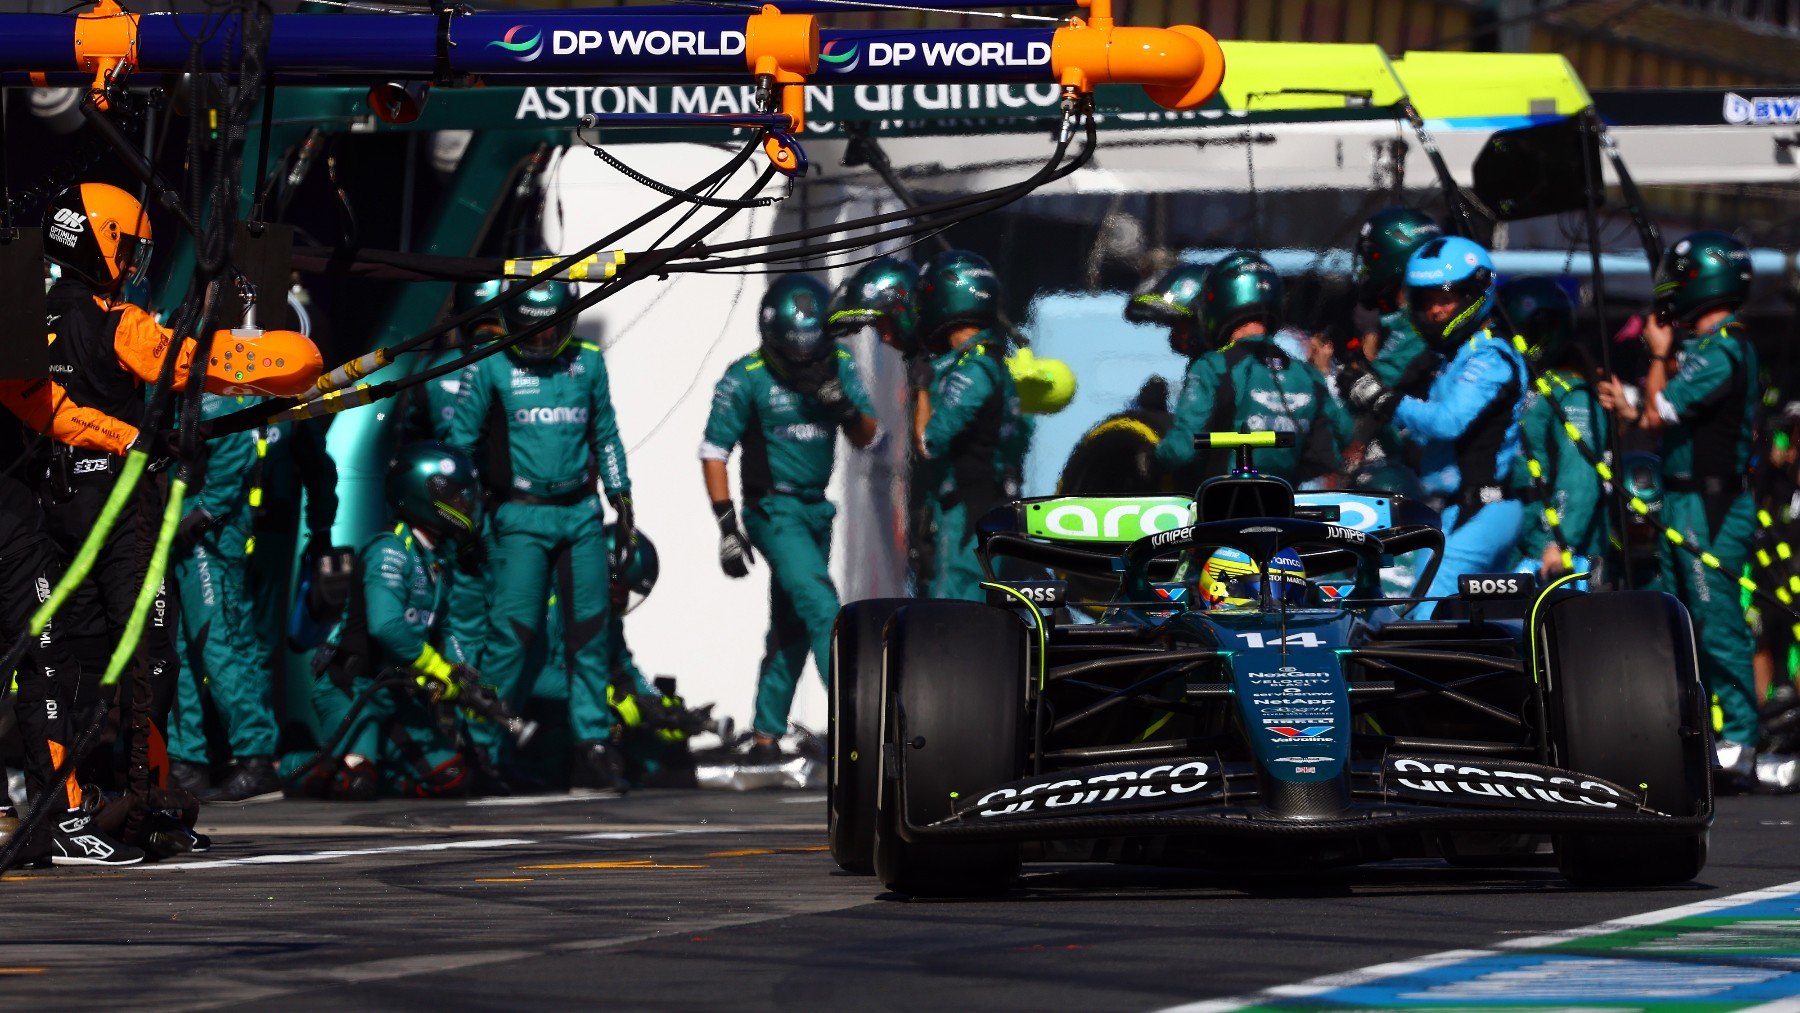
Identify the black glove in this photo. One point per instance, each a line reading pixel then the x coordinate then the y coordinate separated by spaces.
pixel 624 532
pixel 194 524
pixel 1370 396
pixel 735 554
pixel 471 556
pixel 919 374
pixel 836 402
pixel 333 574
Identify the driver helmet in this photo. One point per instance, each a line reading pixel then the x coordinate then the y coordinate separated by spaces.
pixel 1231 579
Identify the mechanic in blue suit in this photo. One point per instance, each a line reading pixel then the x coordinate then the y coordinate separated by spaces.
pixel 1468 424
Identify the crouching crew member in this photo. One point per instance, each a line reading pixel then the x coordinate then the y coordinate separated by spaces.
pixel 390 659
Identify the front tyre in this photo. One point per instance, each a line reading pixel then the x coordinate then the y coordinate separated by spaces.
pixel 850 786
pixel 955 682
pixel 1626 704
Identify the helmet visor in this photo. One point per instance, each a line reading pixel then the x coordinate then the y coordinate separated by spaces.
pixel 456 506
pixel 544 345
pixel 133 258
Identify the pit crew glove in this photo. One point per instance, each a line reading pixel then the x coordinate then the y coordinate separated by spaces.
pixel 836 402
pixel 919 374
pixel 1366 394
pixel 194 524
pixel 624 531
pixel 333 574
pixel 735 554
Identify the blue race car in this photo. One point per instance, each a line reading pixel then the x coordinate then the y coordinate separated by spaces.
pixel 1249 696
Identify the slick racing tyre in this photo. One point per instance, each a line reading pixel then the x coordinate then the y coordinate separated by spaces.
pixel 1625 703
pixel 954 727
pixel 856 731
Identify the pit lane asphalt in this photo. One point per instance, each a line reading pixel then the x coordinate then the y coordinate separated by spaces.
pixel 686 900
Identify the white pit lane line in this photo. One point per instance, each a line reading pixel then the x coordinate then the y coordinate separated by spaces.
pixel 326 856
pixel 1328 983
pixel 201 864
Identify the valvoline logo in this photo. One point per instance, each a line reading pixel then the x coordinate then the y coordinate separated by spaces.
pixel 1312 732
pixel 841 57
pixel 514 41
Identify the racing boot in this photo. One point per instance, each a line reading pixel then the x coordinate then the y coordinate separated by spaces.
pixel 1734 769
pixel 1777 773
pixel 599 769
pixel 764 752
pixel 252 778
pixel 74 840
pixel 356 781
pixel 193 778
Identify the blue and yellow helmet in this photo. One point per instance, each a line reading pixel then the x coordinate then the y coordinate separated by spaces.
pixel 1231 579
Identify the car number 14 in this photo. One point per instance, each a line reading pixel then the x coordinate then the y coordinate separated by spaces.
pixel 1304 638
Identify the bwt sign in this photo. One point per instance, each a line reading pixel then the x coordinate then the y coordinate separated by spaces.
pixel 679 42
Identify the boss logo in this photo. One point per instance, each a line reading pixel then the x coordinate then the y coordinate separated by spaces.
pixel 1490 586
pixel 1045 594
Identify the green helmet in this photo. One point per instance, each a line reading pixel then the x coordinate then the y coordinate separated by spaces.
pixel 539 303
pixel 880 295
pixel 1383 247
pixel 1703 272
pixel 435 489
pixel 1239 289
pixel 1640 475
pixel 791 324
pixel 1171 301
pixel 470 294
pixel 1541 315
pixel 957 289
pixel 631 584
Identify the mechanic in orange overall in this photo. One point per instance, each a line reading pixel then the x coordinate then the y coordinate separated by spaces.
pixel 103 350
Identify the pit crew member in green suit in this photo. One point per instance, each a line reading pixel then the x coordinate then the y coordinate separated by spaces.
pixel 547 402
pixel 783 405
pixel 1700 396
pixel 1565 523
pixel 393 628
pixel 226 659
pixel 969 440
pixel 1239 379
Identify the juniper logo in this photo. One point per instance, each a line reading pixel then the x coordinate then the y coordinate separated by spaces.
pixel 839 58
pixel 523 49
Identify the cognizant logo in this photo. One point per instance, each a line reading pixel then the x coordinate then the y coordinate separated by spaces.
pixel 522 49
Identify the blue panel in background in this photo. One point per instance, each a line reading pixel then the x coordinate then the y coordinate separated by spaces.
pixel 1111 360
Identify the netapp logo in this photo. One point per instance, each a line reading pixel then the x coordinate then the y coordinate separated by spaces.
pixel 1111 786
pixel 642 43
pixel 1505 784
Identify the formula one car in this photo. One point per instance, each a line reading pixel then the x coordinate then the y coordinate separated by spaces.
pixel 1249 715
